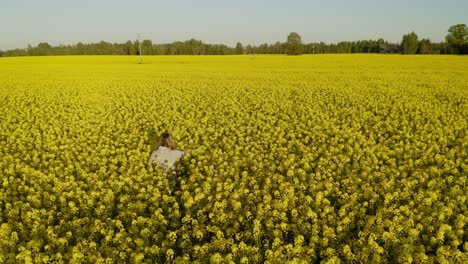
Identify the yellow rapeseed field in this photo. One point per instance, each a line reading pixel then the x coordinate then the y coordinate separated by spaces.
pixel 301 159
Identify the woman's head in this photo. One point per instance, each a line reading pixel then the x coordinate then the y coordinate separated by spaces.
pixel 166 141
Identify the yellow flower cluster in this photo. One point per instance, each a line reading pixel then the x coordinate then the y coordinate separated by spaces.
pixel 333 158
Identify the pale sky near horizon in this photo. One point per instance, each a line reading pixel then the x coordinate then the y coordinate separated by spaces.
pixel 24 22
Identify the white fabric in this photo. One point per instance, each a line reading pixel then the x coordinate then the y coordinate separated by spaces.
pixel 165 157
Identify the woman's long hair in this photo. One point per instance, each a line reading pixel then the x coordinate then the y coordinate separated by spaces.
pixel 166 141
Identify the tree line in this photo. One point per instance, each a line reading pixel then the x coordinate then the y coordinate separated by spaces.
pixel 456 42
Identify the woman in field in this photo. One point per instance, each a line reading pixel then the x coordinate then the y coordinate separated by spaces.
pixel 166 154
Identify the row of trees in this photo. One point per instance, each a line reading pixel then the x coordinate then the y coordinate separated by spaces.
pixel 189 47
pixel 456 43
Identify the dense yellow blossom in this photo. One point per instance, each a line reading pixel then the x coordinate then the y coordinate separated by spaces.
pixel 333 158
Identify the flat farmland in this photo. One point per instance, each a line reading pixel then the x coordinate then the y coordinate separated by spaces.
pixel 301 159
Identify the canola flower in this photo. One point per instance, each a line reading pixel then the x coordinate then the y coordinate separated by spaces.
pixel 334 158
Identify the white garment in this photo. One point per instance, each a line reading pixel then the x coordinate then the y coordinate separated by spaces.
pixel 165 157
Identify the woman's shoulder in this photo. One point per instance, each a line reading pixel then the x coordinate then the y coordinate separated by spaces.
pixel 162 148
pixel 180 152
pixel 169 151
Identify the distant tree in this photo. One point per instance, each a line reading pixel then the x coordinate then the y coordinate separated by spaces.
pixel 294 44
pixel 409 44
pixel 438 48
pixel 103 48
pixel 119 49
pixel 61 50
pixel 193 47
pixel 15 52
pixel 457 37
pixel 44 45
pixel 30 50
pixel 343 47
pixel 263 48
pixel 464 49
pixel 158 49
pixel 249 49
pixel 130 48
pixel 277 48
pixel 239 48
pixel 425 46
pixel 137 47
pixel 147 47
pixel 43 49
pixel 80 48
pixel 381 45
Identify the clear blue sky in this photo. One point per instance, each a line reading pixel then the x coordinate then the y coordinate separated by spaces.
pixel 24 22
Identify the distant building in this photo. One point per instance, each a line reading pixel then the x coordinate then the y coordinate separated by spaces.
pixel 390 48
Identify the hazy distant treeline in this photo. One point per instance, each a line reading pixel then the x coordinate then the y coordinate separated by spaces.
pixel 456 43
pixel 197 47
